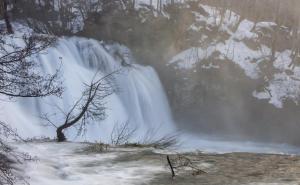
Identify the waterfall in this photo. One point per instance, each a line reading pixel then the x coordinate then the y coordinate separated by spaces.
pixel 140 100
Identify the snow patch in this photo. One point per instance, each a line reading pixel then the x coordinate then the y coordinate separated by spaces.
pixel 282 86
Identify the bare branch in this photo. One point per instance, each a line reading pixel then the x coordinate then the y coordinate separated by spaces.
pixel 122 133
pixel 89 106
pixel 18 76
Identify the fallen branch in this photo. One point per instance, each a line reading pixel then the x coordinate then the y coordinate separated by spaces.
pixel 181 162
pixel 171 167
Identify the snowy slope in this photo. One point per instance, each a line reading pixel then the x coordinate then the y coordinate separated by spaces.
pixel 279 88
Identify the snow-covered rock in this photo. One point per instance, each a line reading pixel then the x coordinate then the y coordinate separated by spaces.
pixel 278 88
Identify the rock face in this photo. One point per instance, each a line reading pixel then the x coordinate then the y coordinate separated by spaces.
pixel 241 81
pixel 224 74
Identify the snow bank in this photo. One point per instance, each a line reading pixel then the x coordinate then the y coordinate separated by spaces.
pixel 278 89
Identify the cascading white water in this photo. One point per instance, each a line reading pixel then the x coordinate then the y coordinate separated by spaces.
pixel 140 99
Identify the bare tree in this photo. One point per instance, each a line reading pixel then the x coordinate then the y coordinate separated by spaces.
pixel 18 76
pixel 90 106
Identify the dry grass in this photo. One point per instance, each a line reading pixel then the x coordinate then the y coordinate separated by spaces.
pixel 97 147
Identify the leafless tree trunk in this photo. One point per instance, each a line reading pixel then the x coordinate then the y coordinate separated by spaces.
pixel 160 5
pixel 171 166
pixel 6 17
pixel 90 106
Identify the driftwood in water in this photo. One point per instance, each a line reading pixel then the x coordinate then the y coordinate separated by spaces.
pixel 171 167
